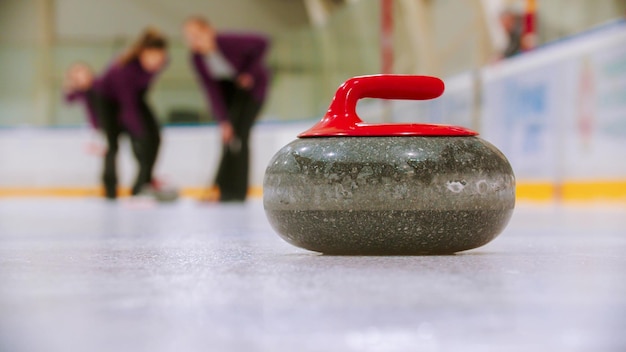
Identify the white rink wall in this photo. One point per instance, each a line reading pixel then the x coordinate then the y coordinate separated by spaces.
pixel 69 157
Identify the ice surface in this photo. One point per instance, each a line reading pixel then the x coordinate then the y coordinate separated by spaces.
pixel 88 275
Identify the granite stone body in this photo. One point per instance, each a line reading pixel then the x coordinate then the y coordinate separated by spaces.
pixel 389 195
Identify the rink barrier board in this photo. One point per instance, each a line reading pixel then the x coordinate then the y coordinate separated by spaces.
pixel 577 191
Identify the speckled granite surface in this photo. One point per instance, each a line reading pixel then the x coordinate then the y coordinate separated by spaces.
pixel 389 195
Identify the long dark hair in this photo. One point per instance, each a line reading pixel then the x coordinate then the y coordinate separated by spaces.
pixel 149 39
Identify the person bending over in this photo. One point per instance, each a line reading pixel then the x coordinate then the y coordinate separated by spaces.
pixel 121 108
pixel 231 70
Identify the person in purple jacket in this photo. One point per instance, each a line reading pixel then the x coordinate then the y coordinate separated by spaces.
pixel 121 107
pixel 230 68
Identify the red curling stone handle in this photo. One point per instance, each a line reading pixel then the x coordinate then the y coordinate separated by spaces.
pixel 341 118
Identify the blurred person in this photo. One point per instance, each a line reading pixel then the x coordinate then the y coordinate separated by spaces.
pixel 230 68
pixel 511 21
pixel 77 86
pixel 121 108
pixel 78 89
pixel 519 28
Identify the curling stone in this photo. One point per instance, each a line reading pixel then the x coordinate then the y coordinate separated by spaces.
pixel 349 187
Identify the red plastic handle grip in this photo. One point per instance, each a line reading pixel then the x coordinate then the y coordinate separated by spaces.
pixel 384 87
pixel 341 118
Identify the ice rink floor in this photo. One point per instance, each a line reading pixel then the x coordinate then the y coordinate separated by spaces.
pixel 87 275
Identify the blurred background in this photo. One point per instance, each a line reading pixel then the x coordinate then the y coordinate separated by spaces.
pixel 555 104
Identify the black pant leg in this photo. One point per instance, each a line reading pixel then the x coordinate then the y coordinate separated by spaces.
pixel 106 111
pixel 138 146
pixel 146 147
pixel 248 114
pixel 109 176
pixel 234 168
pixel 154 136
pixel 223 178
